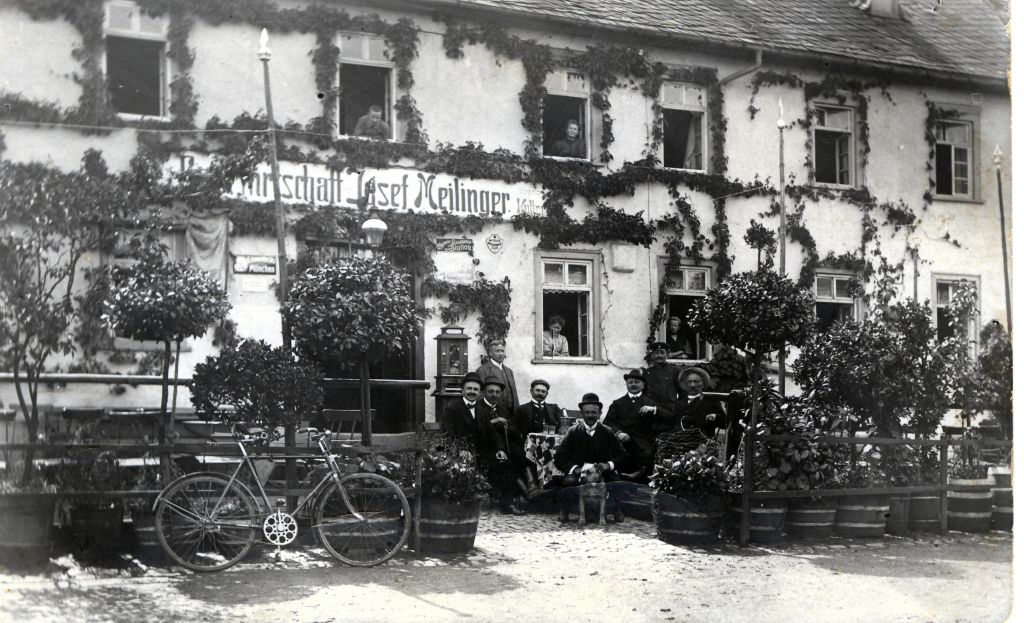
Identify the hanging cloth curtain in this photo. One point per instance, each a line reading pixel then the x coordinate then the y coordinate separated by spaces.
pixel 206 240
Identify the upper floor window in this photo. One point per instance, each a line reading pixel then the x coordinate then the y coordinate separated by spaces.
pixel 685 288
pixel 567 115
pixel 684 125
pixel 136 60
pixel 365 89
pixel 834 153
pixel 954 158
pixel 946 323
pixel 567 326
pixel 834 300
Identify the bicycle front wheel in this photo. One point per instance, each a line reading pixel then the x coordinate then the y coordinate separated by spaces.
pixel 206 522
pixel 364 520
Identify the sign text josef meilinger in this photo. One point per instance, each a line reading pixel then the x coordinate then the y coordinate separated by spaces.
pixel 384 189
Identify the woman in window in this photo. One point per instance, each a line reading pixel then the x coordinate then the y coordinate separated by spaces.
pixel 555 344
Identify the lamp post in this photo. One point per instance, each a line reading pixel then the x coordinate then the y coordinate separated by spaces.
pixel 997 158
pixel 275 174
pixel 373 231
pixel 290 472
pixel 782 232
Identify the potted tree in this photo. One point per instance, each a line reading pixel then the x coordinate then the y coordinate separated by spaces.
pixel 353 310
pixel 814 460
pixel 688 484
pixel 453 488
pixel 756 313
pixel 97 523
pixel 167 302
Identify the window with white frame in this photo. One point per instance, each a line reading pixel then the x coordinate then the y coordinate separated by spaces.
pixel 685 289
pixel 136 61
pixel 567 115
pixel 173 238
pixel 568 297
pixel 365 89
pixel 946 324
pixel 834 300
pixel 954 148
pixel 684 126
pixel 834 160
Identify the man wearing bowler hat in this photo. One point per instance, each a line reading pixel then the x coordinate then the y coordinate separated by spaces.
pixel 636 420
pixel 694 410
pixel 590 442
pixel 661 376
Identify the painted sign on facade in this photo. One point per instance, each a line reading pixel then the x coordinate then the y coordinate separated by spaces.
pixel 384 189
pixel 455 245
pixel 255 265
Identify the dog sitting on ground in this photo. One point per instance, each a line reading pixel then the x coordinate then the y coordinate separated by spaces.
pixel 593 492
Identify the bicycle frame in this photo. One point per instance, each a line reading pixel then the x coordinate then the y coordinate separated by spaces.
pixel 247 460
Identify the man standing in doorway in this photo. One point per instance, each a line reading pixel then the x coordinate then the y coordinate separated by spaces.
pixel 495 366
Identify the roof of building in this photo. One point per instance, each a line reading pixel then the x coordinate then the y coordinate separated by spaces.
pixel 964 37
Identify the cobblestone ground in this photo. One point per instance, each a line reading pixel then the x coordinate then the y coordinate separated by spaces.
pixel 534 568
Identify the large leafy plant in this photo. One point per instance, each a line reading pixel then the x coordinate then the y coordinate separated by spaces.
pixel 696 475
pixel 450 472
pixel 49 222
pixel 157 300
pixel 266 386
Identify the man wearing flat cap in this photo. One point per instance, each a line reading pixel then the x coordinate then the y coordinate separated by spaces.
pixel 660 377
pixel 590 441
pixel 533 416
pixel 637 420
pixel 495 366
pixel 694 410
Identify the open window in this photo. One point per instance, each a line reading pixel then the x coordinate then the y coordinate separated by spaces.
pixel 946 325
pixel 834 145
pixel 834 300
pixel 567 115
pixel 566 291
pixel 954 158
pixel 365 89
pixel 136 61
pixel 684 119
pixel 685 287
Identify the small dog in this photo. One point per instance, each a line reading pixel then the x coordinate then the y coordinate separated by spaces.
pixel 594 490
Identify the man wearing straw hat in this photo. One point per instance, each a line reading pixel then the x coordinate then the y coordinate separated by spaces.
pixel 694 410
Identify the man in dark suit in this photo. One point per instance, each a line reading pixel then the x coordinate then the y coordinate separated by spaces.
pixel 533 416
pixel 508 471
pixel 694 410
pixel 495 366
pixel 466 419
pixel 590 442
pixel 660 377
pixel 637 420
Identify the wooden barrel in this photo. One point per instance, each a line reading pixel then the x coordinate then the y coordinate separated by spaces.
pixel 147 544
pixel 923 512
pixel 897 521
pixel 448 528
pixel 680 521
pixel 638 504
pixel 969 504
pixel 96 529
pixel 767 519
pixel 809 518
pixel 25 530
pixel 1002 498
pixel 861 516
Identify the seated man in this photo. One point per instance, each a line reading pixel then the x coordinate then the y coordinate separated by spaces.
pixel 694 410
pixel 590 441
pixel 637 420
pixel 373 125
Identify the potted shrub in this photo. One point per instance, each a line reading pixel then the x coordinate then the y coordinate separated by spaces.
pixel 687 505
pixel 970 490
pixel 862 515
pixel 96 523
pixel 923 509
pixel 452 489
pixel 900 468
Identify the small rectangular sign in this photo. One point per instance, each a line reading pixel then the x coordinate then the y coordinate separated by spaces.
pixel 255 265
pixel 458 245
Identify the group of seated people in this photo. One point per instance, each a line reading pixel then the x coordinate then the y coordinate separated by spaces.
pixel 659 399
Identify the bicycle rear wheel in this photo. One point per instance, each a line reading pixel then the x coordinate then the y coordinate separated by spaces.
pixel 206 522
pixel 369 530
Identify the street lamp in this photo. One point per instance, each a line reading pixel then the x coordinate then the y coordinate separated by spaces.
pixel 373 231
pixel 997 159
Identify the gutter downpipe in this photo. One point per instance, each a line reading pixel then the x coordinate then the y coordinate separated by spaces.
pixel 758 60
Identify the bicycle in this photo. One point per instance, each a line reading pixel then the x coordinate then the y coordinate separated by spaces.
pixel 207 521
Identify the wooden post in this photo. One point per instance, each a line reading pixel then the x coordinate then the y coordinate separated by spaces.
pixel 748 458
pixel 943 474
pixel 418 502
pixel 364 400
